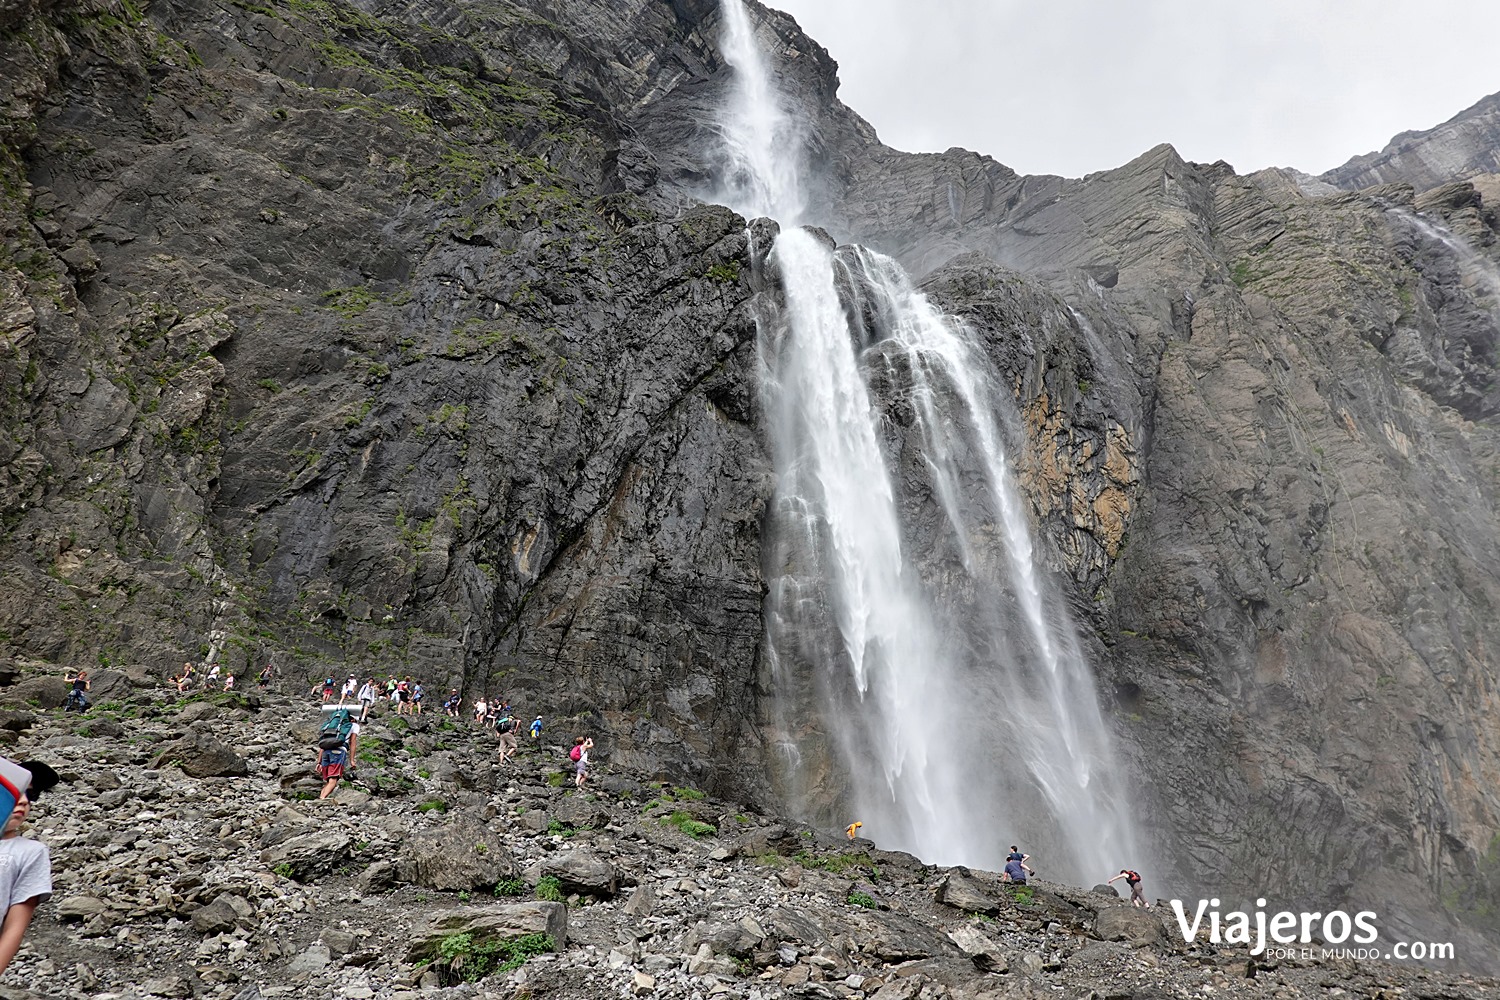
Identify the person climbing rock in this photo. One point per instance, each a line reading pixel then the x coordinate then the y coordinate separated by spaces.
pixel 366 698
pixel 328 688
pixel 1015 871
pixel 335 739
pixel 536 729
pixel 852 830
pixel 507 729
pixel 77 700
pixel 346 693
pixel 1132 879
pixel 580 757
pixel 1016 855
pixel 265 676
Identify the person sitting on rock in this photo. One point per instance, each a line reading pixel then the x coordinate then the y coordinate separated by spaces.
pixel 1132 879
pixel 480 709
pixel 229 682
pixel 184 679
pixel 1015 871
pixel 25 866
pixel 212 678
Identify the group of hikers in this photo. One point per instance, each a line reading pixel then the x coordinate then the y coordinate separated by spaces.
pixel 213 676
pixel 338 737
pixel 1017 871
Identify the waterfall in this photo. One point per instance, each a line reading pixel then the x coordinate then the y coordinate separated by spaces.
pixel 928 679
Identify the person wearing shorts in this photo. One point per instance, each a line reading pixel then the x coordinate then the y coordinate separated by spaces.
pixel 581 766
pixel 331 764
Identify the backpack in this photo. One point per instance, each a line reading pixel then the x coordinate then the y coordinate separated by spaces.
pixel 335 731
pixel 505 725
pixel 1132 877
pixel 576 753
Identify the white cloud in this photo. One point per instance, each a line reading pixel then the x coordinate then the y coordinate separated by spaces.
pixel 1073 86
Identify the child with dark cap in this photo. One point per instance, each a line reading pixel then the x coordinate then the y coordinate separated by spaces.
pixel 25 866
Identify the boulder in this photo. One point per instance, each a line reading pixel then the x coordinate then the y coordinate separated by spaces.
pixel 201 756
pixel 1128 923
pixel 578 812
pixel 962 891
pixel 79 908
pixel 309 855
pixel 580 870
pixel 502 922
pixel 221 915
pixel 983 950
pixel 462 854
pixel 197 710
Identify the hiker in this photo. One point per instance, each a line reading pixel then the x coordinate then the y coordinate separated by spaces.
pixel 1132 879
pixel 212 678
pixel 265 675
pixel 536 729
pixel 366 698
pixel 580 757
pixel 77 700
pixel 185 679
pixel 507 730
pixel 454 702
pixel 229 682
pixel 416 698
pixel 852 830
pixel 346 693
pixel 328 686
pixel 1016 855
pixel 338 732
pixel 25 866
pixel 480 708
pixel 1015 871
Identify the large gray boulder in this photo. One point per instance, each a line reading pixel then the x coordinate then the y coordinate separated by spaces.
pixel 1131 924
pixel 461 854
pixel 579 870
pixel 503 922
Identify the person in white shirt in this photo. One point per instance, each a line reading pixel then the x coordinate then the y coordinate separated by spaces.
pixel 25 867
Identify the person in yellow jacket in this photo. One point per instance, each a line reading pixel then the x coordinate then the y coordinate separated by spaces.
pixel 852 830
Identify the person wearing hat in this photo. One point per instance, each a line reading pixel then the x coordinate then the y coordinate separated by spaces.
pixel 25 866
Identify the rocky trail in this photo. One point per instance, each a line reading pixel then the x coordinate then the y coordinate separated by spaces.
pixel 192 859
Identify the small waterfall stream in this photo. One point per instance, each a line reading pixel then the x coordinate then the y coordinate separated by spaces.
pixel 929 681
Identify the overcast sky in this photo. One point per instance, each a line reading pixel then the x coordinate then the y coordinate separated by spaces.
pixel 1073 86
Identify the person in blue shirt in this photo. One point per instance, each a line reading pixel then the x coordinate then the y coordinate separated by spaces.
pixel 1016 872
pixel 536 728
pixel 1016 855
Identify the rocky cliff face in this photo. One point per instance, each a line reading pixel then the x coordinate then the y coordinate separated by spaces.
pixel 391 337
pixel 1464 148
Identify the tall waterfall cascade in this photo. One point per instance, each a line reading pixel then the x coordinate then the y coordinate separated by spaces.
pixel 929 681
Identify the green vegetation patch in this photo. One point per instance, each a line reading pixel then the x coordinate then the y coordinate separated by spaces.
pixel 685 822
pixel 463 959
